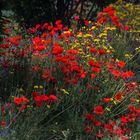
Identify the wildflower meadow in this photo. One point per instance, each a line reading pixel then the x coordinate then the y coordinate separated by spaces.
pixel 72 83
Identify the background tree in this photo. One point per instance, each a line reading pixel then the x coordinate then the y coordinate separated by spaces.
pixel 33 12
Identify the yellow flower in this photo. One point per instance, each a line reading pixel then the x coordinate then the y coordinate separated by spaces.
pixel 108 109
pixel 65 92
pixel 35 86
pixel 96 40
pixel 136 49
pixel 111 99
pixel 115 102
pixel 87 35
pixel 127 55
pixel 93 27
pixel 108 51
pixel 105 47
pixel 41 87
pixel 137 101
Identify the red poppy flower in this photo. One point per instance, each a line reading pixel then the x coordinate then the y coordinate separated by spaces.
pixel 101 20
pixel 96 70
pixel 58 22
pixel 91 63
pixel 45 25
pixel 24 100
pixel 35 93
pixel 107 100
pixel 86 22
pixel 109 66
pixel 6 30
pixel 22 107
pixel 93 76
pixel 35 68
pixel 88 129
pixel 97 123
pixel 119 131
pixel 17 101
pixel 45 98
pixel 3 123
pixel 89 117
pixel 127 74
pixel 73 81
pixel 123 119
pixel 97 64
pixel 38 100
pixel 50 27
pixel 57 49
pixel 115 19
pixel 76 17
pixel 37 41
pixel 60 26
pixel 83 75
pixel 111 13
pixel 116 73
pixel 40 47
pixel 131 117
pixel 46 74
pixel 121 64
pixel 72 51
pixel 126 28
pixel 52 98
pixel 100 14
pixel 107 9
pixel 37 26
pixel 66 28
pixel 118 96
pixel 101 52
pixel 98 110
pixel 64 69
pixel 99 134
pixel 109 127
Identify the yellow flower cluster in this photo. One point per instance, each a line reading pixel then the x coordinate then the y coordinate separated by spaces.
pixel 38 87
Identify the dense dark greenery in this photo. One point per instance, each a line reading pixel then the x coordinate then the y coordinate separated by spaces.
pixel 1 22
pixel 33 12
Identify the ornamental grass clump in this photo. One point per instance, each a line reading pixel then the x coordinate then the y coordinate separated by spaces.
pixel 60 83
